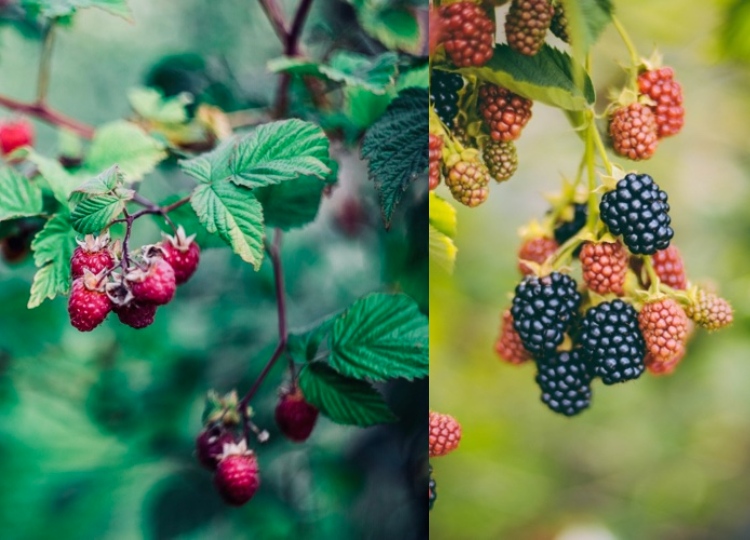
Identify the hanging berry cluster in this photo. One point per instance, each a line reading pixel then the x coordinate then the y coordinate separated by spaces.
pixel 444 437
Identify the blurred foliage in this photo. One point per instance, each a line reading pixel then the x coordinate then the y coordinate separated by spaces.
pixel 658 459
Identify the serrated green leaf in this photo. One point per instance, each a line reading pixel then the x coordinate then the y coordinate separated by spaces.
pixel 235 215
pixel 53 247
pixel 396 147
pixel 548 77
pixel 95 214
pixel 129 147
pixel 185 216
pixel 60 181
pixel 19 197
pixel 395 27
pixel 380 337
pixel 103 183
pixel 150 103
pixel 586 21
pixel 63 8
pixel 343 400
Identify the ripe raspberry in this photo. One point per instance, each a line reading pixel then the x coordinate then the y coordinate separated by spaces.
pixel 444 87
pixel 526 25
pixel 182 254
pixel 88 304
pixel 559 25
pixel 501 159
pixel 670 268
pixel 604 266
pixel 710 311
pixel 634 132
pixel 209 445
pixel 638 210
pixel 295 417
pixel 469 34
pixel 535 250
pixel 432 488
pixel 664 327
pixel 436 158
pixel 92 254
pixel 612 342
pixel 445 434
pixel 467 178
pixel 503 112
pixel 508 345
pixel 657 367
pixel 543 310
pixel 136 314
pixel 567 229
pixel 155 285
pixel 237 477
pixel 660 86
pixel 15 134
pixel 565 382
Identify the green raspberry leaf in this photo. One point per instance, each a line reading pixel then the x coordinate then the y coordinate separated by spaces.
pixel 127 145
pixel 19 197
pixel 442 231
pixel 96 213
pixel 380 337
pixel 63 8
pixel 104 183
pixel 60 181
pixel 150 103
pixel 396 147
pixel 395 26
pixel 343 400
pixel 53 247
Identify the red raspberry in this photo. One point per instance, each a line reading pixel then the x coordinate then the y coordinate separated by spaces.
pixel 527 23
pixel 604 266
pixel 710 311
pixel 92 254
pixel 670 268
pixel 295 417
pixel 503 112
pixel 209 445
pixel 508 346
pixel 664 326
pixel 15 134
pixel 660 86
pixel 634 132
pixel 535 250
pixel 155 285
pixel 88 304
pixel 468 34
pixel 182 254
pixel 237 477
pixel 436 157
pixel 445 434
pixel 467 178
pixel 136 314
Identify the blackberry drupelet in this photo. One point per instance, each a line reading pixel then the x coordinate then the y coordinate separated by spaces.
pixel 638 210
pixel 612 342
pixel 565 382
pixel 432 489
pixel 566 230
pixel 444 89
pixel 543 310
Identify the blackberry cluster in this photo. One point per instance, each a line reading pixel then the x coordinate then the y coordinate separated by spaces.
pixel 444 88
pixel 638 210
pixel 565 382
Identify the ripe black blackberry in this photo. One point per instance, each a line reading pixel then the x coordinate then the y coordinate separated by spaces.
pixel 612 342
pixel 565 230
pixel 543 310
pixel 559 25
pixel 565 382
pixel 432 489
pixel 444 89
pixel 638 210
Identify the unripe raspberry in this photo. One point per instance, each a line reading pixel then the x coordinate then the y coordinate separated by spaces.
pixel 182 254
pixel 136 314
pixel 445 434
pixel 237 475
pixel 664 326
pixel 467 178
pixel 503 112
pixel 501 159
pixel 209 445
pixel 535 250
pixel 468 34
pixel 604 266
pixel 92 254
pixel 88 304
pixel 295 417
pixel 508 345
pixel 436 157
pixel 669 267
pixel 634 132
pixel 155 285
pixel 15 134
pixel 710 311
pixel 660 86
pixel 526 25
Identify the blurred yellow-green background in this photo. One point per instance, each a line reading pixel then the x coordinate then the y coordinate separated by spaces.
pixel 656 459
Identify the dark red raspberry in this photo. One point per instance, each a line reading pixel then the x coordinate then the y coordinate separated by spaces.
pixel 527 23
pixel 535 250
pixel 155 285
pixel 604 266
pixel 209 445
pixel 15 134
pixel 237 475
pixel 92 254
pixel 501 159
pixel 182 254
pixel 436 158
pixel 664 326
pixel 295 417
pixel 670 268
pixel 88 304
pixel 468 34
pixel 508 345
pixel 503 112
pixel 634 132
pixel 136 314
pixel 445 434
pixel 660 86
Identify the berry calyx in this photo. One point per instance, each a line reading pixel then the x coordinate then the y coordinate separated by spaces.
pixel 664 326
pixel 92 254
pixel 88 304
pixel 526 25
pixel 237 475
pixel 669 267
pixel 536 250
pixel 182 254
pixel 503 112
pixel 209 445
pixel 604 265
pixel 508 345
pixel 660 86
pixel 634 132
pixel 295 416
pixel 565 382
pixel 501 159
pixel 467 178
pixel 436 158
pixel 15 134
pixel 136 314
pixel 154 285
pixel 710 310
pixel 468 34
pixel 445 434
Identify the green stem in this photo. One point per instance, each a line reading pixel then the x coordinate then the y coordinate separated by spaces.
pixel 45 63
pixel 591 163
pixel 600 147
pixel 635 58
pixel 565 252
pixel 653 277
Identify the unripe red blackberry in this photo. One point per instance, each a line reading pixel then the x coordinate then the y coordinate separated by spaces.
pixel 436 158
pixel 503 112
pixel 526 25
pixel 501 159
pixel 535 250
pixel 669 267
pixel 445 434
pixel 467 178
pixel 468 34
pixel 660 86
pixel 664 326
pixel 634 132
pixel 508 345
pixel 604 266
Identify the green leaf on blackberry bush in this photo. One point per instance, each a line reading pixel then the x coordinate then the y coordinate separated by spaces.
pixel 586 21
pixel 150 103
pixel 94 214
pixel 60 181
pixel 268 155
pixel 18 196
pixel 548 77
pixel 380 337
pixel 53 247
pixel 124 143
pixel 442 231
pixel 343 400
pixel 235 215
pixel 63 8
pixel 394 25
pixel 396 147
pixel 373 74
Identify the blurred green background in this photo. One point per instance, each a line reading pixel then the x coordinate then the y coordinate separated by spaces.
pixel 97 430
pixel 657 459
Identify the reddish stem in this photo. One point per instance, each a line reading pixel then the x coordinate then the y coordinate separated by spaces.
pixel 45 113
pixel 291 48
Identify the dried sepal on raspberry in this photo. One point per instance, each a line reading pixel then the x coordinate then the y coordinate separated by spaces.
pixel 709 310
pixel 93 254
pixel 88 303
pixel 604 265
pixel 468 34
pixel 508 345
pixel 445 434
pixel 182 254
pixel 237 476
pixel 526 25
pixel 664 326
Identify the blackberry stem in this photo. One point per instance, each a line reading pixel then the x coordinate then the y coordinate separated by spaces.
pixel 652 275
pixel 591 162
pixel 635 59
